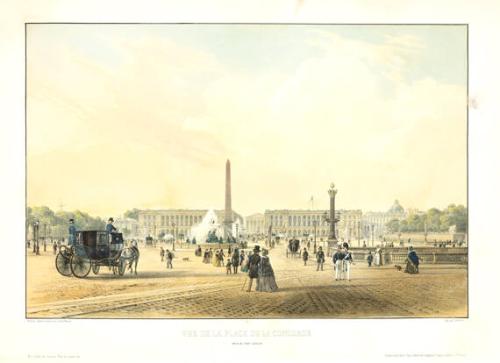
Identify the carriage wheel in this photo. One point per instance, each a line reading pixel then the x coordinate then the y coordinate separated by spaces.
pixel 80 266
pixel 121 267
pixel 63 264
pixel 95 268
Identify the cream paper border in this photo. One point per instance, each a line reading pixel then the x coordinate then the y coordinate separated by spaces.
pixel 471 339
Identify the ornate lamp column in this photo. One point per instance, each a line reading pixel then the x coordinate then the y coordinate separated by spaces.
pixel 332 192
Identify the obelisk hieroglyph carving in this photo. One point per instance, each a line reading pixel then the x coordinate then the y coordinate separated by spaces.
pixel 228 212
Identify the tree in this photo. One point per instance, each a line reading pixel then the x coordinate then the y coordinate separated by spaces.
pixel 133 213
pixel 393 226
pixel 415 223
pixel 56 224
pixel 433 220
pixel 457 215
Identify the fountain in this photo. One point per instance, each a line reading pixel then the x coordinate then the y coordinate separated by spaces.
pixel 209 230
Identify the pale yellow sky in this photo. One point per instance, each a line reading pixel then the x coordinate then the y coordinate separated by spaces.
pixel 146 116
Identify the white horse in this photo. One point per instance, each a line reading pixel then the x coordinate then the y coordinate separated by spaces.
pixel 130 256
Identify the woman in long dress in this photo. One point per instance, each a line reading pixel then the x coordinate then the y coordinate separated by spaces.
pixel 377 258
pixel 215 258
pixel 266 281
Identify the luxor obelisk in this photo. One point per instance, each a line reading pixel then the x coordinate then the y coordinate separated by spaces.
pixel 228 212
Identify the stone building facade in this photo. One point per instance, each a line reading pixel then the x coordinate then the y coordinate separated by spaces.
pixel 304 223
pixel 374 223
pixel 255 224
pixel 128 226
pixel 176 222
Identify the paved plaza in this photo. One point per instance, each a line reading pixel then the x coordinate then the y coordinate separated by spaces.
pixel 197 290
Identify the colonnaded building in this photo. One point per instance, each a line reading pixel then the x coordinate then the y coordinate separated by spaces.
pixel 352 225
pixel 176 222
pixel 374 223
pixel 302 223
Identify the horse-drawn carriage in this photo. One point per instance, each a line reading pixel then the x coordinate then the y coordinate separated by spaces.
pixel 148 241
pixel 93 249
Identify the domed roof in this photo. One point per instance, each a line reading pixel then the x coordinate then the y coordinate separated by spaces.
pixel 396 208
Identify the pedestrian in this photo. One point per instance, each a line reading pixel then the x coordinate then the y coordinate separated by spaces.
pixel 305 256
pixel 244 261
pixel 242 257
pixel 253 266
pixel 377 260
pixel 109 227
pixel 308 245
pixel 266 281
pixel 412 262
pixel 220 259
pixel 169 257
pixel 162 253
pixel 347 261
pixel 338 258
pixel 320 259
pixel 369 258
pixel 215 258
pixel 229 264
pixel 235 260
pixel 54 247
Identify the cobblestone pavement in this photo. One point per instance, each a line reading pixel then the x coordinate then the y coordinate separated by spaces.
pixel 198 290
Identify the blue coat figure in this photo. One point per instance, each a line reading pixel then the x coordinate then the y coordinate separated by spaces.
pixel 109 227
pixel 72 232
pixel 412 262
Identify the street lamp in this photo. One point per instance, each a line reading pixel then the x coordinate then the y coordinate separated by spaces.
pixel 315 223
pixel 373 235
pixel 359 232
pixel 175 236
pixel 425 232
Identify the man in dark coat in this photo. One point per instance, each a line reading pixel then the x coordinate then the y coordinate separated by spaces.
pixel 338 259
pixel 320 258
pixel 253 266
pixel 235 260
pixel 369 258
pixel 109 227
pixel 305 256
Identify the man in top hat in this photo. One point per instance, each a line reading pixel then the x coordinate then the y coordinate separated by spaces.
pixel 109 227
pixel 72 232
pixel 253 266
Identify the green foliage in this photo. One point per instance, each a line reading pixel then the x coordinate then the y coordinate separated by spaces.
pixel 133 213
pixel 56 224
pixel 393 226
pixel 434 220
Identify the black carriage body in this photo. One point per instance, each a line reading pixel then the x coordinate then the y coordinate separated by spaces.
pixel 99 245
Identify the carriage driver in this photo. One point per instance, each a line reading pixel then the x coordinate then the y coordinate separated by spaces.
pixel 109 227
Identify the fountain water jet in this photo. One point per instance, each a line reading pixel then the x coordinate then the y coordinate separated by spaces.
pixel 209 225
